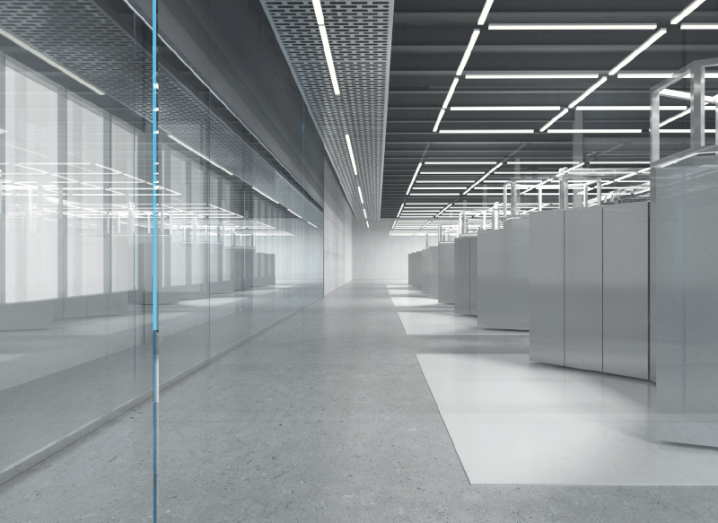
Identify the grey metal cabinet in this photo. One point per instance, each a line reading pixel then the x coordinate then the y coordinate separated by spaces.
pixel 546 252
pixel 446 272
pixel 584 288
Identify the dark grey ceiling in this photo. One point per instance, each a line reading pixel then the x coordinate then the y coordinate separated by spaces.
pixel 429 39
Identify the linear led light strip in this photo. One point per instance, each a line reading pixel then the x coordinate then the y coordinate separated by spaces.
pixel 416 173
pixel 645 45
pixel 588 92
pixel 595 131
pixel 698 27
pixel 573 27
pixel 199 154
pixel 493 169
pixel 351 153
pixel 400 209
pixel 486 131
pixel 658 75
pixel 530 76
pixel 628 108
pixel 265 195
pixel 554 120
pixel 511 108
pixel 49 61
pixel 361 197
pixel 459 163
pixel 674 118
pixel 310 223
pixel 325 43
pixel 688 10
pixel 294 213
pixel 464 60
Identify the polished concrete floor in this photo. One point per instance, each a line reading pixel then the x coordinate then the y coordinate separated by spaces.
pixel 326 417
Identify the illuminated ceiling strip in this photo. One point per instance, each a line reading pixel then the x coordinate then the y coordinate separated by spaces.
pixel 493 169
pixel 294 213
pixel 265 195
pixel 699 27
pixel 367 224
pixel 438 188
pixel 674 118
pixel 453 172
pixel 361 196
pixel 199 154
pixel 554 120
pixel 573 27
pixel 325 44
pixel 508 108
pixel 438 120
pixel 459 163
pixel 435 194
pixel 416 173
pixel 351 153
pixel 529 76
pixel 365 216
pixel 595 131
pixel 486 131
pixel 685 131
pixel 628 108
pixel 49 61
pixel 485 12
pixel 645 45
pixel 310 223
pixel 454 83
pixel 588 92
pixel 467 53
pixel 520 162
pixel 688 10
pixel 620 163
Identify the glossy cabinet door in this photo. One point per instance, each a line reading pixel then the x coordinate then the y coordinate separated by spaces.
pixel 625 290
pixel 446 272
pixel 584 288
pixel 546 252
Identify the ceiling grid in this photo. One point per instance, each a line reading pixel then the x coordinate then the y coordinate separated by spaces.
pixel 359 34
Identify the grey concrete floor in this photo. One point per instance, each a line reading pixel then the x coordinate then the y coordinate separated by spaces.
pixel 324 418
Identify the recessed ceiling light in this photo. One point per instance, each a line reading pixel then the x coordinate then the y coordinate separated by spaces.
pixel 588 92
pixel 595 131
pixel 699 27
pixel 688 10
pixel 645 45
pixel 486 131
pixel 529 76
pixel 508 108
pixel 573 27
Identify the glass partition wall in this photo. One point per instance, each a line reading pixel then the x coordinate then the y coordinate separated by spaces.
pixel 239 244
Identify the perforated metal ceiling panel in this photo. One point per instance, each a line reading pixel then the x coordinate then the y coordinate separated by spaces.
pixel 359 34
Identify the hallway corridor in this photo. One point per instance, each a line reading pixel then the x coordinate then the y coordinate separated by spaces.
pixel 326 417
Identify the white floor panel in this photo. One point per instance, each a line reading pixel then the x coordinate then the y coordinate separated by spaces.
pixel 413 301
pixel 515 422
pixel 444 324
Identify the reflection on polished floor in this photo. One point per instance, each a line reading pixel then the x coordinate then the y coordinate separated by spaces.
pixel 516 422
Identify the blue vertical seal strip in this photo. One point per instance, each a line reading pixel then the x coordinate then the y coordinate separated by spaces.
pixel 155 319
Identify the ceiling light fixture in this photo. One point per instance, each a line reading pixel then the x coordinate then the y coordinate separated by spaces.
pixel 688 10
pixel 685 131
pixel 508 108
pixel 628 108
pixel 416 173
pixel 361 197
pixel 435 194
pixel 620 163
pixel 367 224
pixel 588 92
pixel 573 27
pixel 400 209
pixel 674 118
pixel 325 44
pixel 266 196
pixel 453 172
pixel 521 162
pixel 294 213
pixel 485 12
pixel 699 27
pixel 529 76
pixel 595 131
pixel 459 163
pixel 451 188
pixel 467 53
pixel 493 169
pixel 450 93
pixel 365 216
pixel 645 45
pixel 351 154
pixel 49 61
pixel 486 131
pixel 438 120
pixel 310 223
pixel 554 120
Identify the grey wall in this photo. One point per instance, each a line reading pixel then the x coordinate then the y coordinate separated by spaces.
pixel 232 46
pixel 337 233
pixel 378 256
